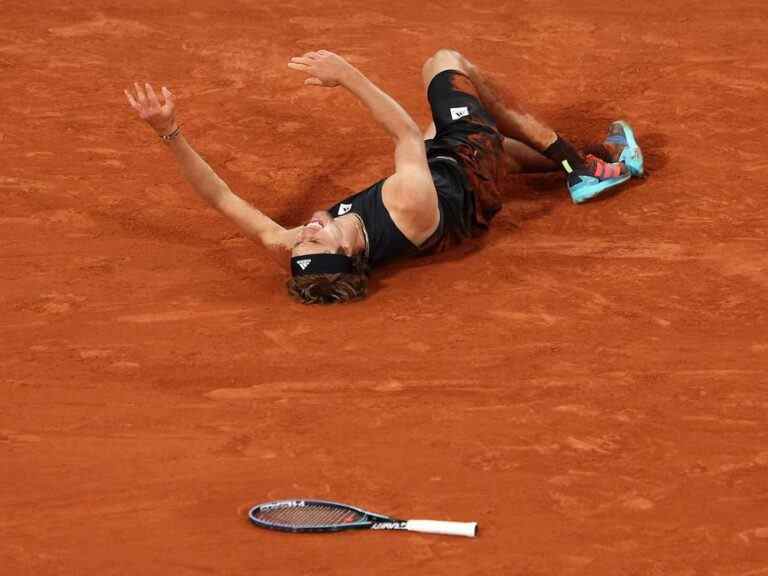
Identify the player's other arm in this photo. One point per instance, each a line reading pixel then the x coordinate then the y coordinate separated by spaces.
pixel 329 70
pixel 204 180
pixel 217 193
pixel 410 191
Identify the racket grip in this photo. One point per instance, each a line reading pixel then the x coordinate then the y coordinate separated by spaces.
pixel 468 529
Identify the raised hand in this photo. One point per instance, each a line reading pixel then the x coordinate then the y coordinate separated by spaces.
pixel 323 68
pixel 160 116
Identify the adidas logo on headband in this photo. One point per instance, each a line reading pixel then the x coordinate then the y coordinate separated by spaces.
pixel 322 264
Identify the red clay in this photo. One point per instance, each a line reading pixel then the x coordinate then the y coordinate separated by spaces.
pixel 588 383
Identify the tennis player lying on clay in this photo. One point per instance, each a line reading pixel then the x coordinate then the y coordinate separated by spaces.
pixel 444 189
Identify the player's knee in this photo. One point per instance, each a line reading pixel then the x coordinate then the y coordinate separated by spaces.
pixel 447 54
pixel 443 59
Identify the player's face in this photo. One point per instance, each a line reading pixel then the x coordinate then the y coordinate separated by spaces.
pixel 320 235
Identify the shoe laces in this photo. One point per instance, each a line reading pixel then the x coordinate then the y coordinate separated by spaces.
pixel 601 169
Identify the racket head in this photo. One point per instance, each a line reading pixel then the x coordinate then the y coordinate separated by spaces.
pixel 311 516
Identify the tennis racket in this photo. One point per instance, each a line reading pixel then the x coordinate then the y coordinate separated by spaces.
pixel 324 516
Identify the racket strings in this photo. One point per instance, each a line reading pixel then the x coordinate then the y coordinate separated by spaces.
pixel 313 515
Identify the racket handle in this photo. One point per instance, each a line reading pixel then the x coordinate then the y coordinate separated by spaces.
pixel 468 529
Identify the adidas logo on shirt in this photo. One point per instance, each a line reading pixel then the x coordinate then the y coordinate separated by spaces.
pixel 457 113
pixel 344 208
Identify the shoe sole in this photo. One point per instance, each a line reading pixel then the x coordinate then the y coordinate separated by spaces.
pixel 596 187
pixel 632 156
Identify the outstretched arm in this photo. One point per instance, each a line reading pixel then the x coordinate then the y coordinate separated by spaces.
pixel 410 190
pixel 328 69
pixel 162 118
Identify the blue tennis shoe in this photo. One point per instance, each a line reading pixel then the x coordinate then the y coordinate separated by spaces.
pixel 596 177
pixel 624 148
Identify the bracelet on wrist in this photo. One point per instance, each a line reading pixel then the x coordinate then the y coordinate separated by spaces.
pixel 171 135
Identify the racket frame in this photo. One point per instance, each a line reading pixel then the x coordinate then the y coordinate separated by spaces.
pixel 368 520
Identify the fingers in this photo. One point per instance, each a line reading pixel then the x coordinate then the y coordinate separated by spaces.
pixel 131 101
pixel 168 95
pixel 313 82
pixel 301 67
pixel 146 101
pixel 302 60
pixel 140 96
pixel 151 96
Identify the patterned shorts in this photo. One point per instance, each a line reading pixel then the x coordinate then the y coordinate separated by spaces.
pixel 468 133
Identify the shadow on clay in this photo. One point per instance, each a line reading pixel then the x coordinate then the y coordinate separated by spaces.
pixel 654 151
pixel 456 253
pixel 317 191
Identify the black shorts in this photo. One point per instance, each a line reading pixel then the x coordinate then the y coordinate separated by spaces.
pixel 467 133
pixel 453 97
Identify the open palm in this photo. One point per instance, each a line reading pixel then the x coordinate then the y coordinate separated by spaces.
pixel 160 115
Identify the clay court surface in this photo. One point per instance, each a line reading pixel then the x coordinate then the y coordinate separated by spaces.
pixel 587 382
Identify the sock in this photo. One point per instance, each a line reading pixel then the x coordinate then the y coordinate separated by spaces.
pixel 563 153
pixel 606 153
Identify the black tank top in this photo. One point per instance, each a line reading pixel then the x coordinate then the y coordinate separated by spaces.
pixel 386 241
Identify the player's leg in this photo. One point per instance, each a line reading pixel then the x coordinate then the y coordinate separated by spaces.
pixel 522 158
pixel 511 120
pixel 525 160
pixel 463 130
pixel 620 146
pixel 514 122
pixel 587 177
